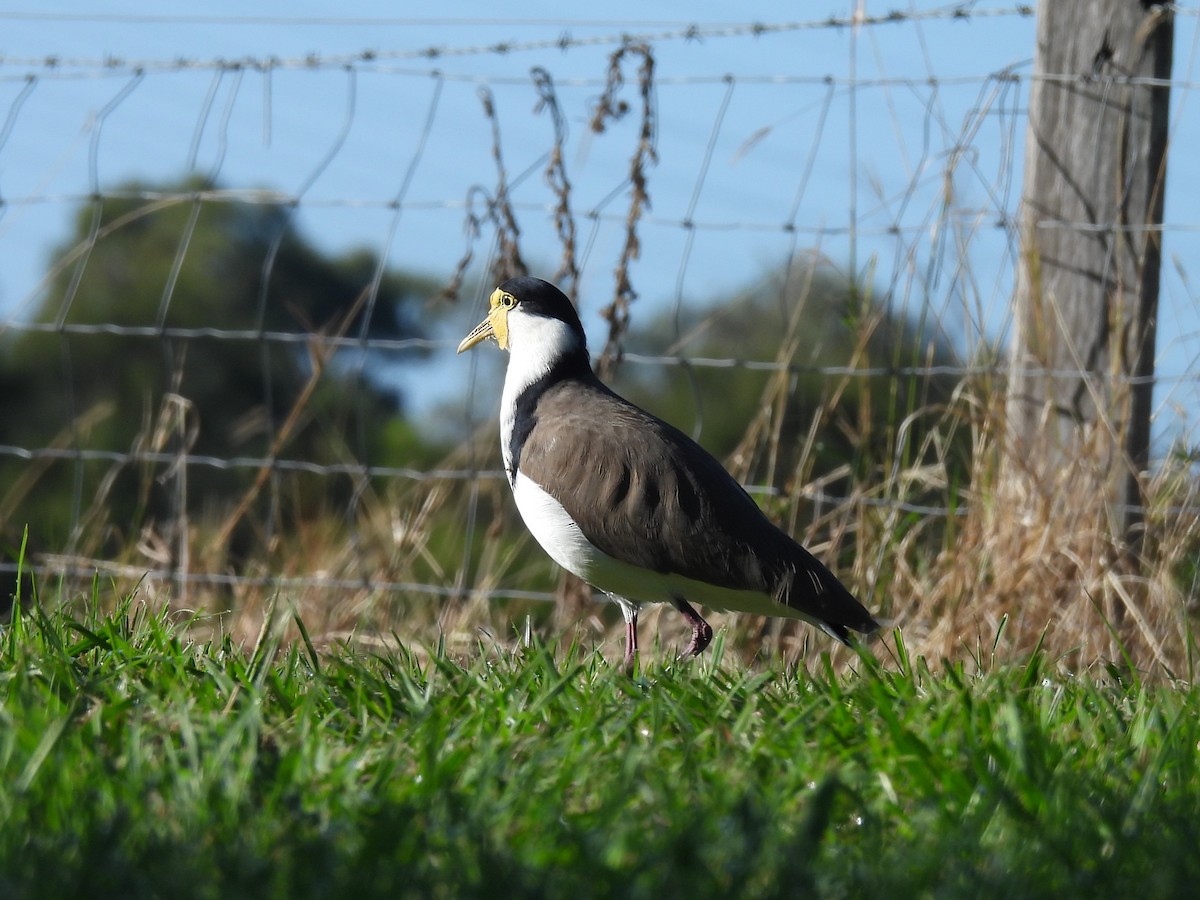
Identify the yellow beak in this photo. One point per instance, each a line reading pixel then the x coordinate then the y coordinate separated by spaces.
pixel 478 335
pixel 495 326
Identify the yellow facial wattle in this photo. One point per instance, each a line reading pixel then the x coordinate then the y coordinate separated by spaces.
pixel 495 326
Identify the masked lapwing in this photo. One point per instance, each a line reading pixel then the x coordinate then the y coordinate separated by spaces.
pixel 630 504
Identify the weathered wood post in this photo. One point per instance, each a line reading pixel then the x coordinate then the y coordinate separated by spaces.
pixel 1087 293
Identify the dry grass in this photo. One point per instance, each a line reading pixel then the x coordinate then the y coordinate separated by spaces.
pixel 1024 558
pixel 1018 563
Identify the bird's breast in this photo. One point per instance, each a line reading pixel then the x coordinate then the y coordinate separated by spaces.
pixel 552 527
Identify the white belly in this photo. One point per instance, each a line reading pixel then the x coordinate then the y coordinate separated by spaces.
pixel 565 543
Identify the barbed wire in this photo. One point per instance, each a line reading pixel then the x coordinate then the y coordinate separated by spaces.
pixel 692 32
pixel 86 569
pixel 334 342
pixel 59 71
pixel 363 471
pixel 292 201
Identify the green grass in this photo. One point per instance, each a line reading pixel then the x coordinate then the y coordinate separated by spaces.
pixel 134 763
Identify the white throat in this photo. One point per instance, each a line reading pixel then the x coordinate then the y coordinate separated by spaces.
pixel 535 343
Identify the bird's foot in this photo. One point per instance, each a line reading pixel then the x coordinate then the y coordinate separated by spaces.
pixel 701 631
pixel 702 634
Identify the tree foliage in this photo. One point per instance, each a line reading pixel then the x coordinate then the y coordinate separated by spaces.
pixel 191 284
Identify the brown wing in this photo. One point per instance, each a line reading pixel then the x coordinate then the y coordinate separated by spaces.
pixel 659 492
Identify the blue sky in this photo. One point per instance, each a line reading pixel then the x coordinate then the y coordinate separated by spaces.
pixel 900 129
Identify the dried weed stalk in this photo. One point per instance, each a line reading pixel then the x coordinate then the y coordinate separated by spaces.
pixel 497 211
pixel 610 109
pixel 567 274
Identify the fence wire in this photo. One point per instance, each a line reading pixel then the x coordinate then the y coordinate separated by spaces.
pixel 885 146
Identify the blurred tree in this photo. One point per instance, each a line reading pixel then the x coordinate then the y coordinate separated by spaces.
pixel 202 264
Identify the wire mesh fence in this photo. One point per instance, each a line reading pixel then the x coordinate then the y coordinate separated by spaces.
pixel 300 224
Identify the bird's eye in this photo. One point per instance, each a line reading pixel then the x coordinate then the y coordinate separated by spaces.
pixel 508 301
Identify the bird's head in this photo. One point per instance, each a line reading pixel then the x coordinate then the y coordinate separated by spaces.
pixel 525 313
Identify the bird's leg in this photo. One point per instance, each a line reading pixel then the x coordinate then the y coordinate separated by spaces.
pixel 701 631
pixel 631 644
pixel 630 612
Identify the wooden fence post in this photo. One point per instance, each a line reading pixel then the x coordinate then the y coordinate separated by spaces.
pixel 1087 292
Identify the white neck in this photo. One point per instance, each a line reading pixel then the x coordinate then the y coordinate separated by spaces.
pixel 535 344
